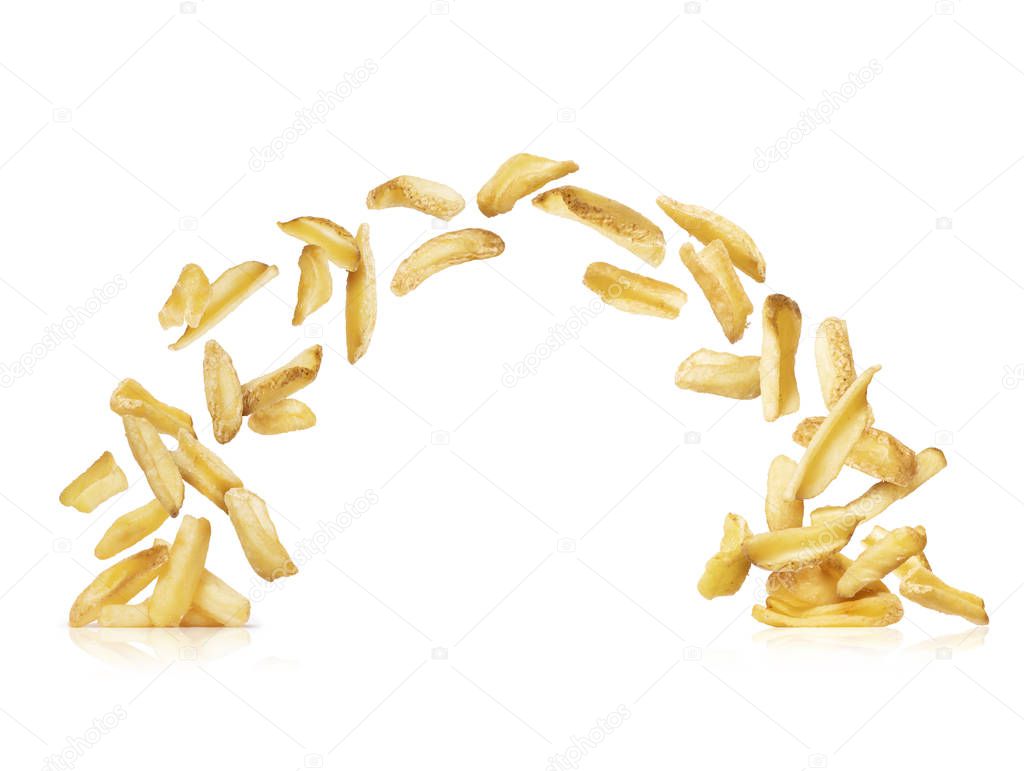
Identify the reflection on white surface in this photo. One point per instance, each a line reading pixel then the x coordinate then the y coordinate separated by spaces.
pixel 947 644
pixel 143 648
pixel 821 640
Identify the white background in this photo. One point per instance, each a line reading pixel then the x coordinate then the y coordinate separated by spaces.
pixel 125 152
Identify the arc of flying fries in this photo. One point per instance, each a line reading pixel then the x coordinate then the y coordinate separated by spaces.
pixel 811 582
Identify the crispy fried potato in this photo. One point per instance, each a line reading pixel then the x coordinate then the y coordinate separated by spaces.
pixel 442 252
pixel 834 359
pixel 128 529
pixel 725 573
pixel 188 299
pixel 881 558
pixel 716 276
pixel 423 195
pixel 130 398
pixel 626 227
pixel 782 513
pixel 876 453
pixel 339 244
pixel 361 299
pixel 258 536
pixel 781 336
pixel 282 417
pixel 176 585
pixel 875 610
pixel 798 547
pixel 230 290
pixel 315 283
pixel 707 226
pixel 206 472
pixel 282 382
pixel 102 480
pixel 126 616
pixel 118 584
pixel 632 292
pixel 218 602
pixel 156 462
pixel 722 374
pixel 223 392
pixel 516 178
pixel 814 586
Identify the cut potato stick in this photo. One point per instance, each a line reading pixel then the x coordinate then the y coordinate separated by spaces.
pixel 442 252
pixel 156 462
pixel 797 547
pixel 203 470
pixel 229 291
pixel 782 513
pixel 258 536
pixel 707 226
pixel 196 618
pixel 876 453
pixel 126 616
pixel 315 282
pixel 781 336
pixel 834 359
pixel 130 398
pixel 223 392
pixel 102 480
pixel 282 417
pixel 875 610
pixel 519 176
pixel 188 299
pixel 716 276
pixel 423 195
pixel 725 573
pixel 632 292
pixel 282 382
pixel 722 374
pixel 361 299
pixel 118 584
pixel 881 558
pixel 172 595
pixel 339 244
pixel 218 602
pixel 128 529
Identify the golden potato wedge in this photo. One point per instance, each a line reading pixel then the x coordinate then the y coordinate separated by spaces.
pixel 203 470
pixel 156 462
pixel 230 290
pixel 875 610
pixel 876 453
pixel 118 584
pixel 722 374
pixel 188 299
pixel 258 536
pixel 716 276
pixel 101 481
pixel 282 417
pixel 780 338
pixel 333 238
pixel 782 513
pixel 725 573
pixel 315 283
pixel 442 252
pixel 834 359
pixel 632 292
pixel 126 616
pixel 176 585
pixel 881 558
pixel 613 220
pixel 130 398
pixel 361 299
pixel 128 529
pixel 423 195
pixel 223 392
pixel 298 373
pixel 798 547
pixel 518 177
pixel 707 226
pixel 217 602
pixel 814 586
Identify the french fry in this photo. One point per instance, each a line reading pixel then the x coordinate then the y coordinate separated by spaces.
pixel 725 573
pixel 716 276
pixel 361 299
pixel 156 462
pixel 722 374
pixel 833 441
pixel 797 547
pixel 834 359
pixel 626 227
pixel 125 615
pixel 875 610
pixel 282 382
pixel 632 292
pixel 339 244
pixel 519 176
pixel 881 558
pixel 282 417
pixel 782 513
pixel 188 299
pixel 203 470
pixel 230 290
pixel 128 529
pixel 423 195
pixel 102 480
pixel 442 252
pixel 118 584
pixel 223 392
pixel 315 283
pixel 130 398
pixel 258 536
pixel 876 453
pixel 781 336
pixel 217 601
pixel 196 618
pixel 176 585
pixel 707 226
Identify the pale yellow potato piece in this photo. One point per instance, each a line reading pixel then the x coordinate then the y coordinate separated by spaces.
pixel 834 359
pixel 282 417
pixel 196 618
pixel 616 221
pixel 423 195
pixel 118 584
pixel 722 374
pixel 814 586
pixel 218 602
pixel 266 389
pixel 442 252
pixel 128 529
pixel 258 536
pixel 518 177
pixel 172 595
pixel 797 547
pixel 203 470
pixel 881 558
pixel 725 573
pixel 229 291
pixel 782 513
pixel 632 292
pixel 716 276
pixel 876 453
pixel 875 610
pixel 333 238
pixel 156 462
pixel 223 392
pixel 361 299
pixel 102 480
pixel 833 441
pixel 315 283
pixel 127 616
pixel 780 339
pixel 707 226
pixel 130 398
pixel 188 299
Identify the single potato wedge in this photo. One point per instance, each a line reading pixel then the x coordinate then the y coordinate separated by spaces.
pixel 101 481
pixel 230 290
pixel 782 513
pixel 423 195
pixel 176 585
pixel 780 338
pixel 315 283
pixel 223 392
pixel 442 252
pixel 361 299
pixel 632 292
pixel 282 417
pixel 722 374
pixel 282 382
pixel 258 535
pixel 156 462
pixel 203 470
pixel 130 398
pixel 128 529
pixel 716 276
pixel 188 299
pixel 333 238
pixel 725 573
pixel 518 177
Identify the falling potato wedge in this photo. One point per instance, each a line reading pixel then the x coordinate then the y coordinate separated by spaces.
pixel 130 398
pixel 833 357
pixel 518 177
pixel 230 290
pixel 101 481
pixel 128 529
pixel 707 226
pixel 725 573
pixel 282 382
pixel 780 512
pixel 176 585
pixel 333 238
pixel 217 601
pixel 223 392
pixel 125 616
pixel 258 536
pixel 626 227
pixel 156 462
pixel 876 453
pixel 361 299
pixel 442 252
pixel 188 299
pixel 118 584
pixel 282 417
pixel 716 276
pixel 203 470
pixel 780 338
pixel 722 374
pixel 632 292
pixel 798 547
pixel 315 283
pixel 881 558
pixel 423 195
